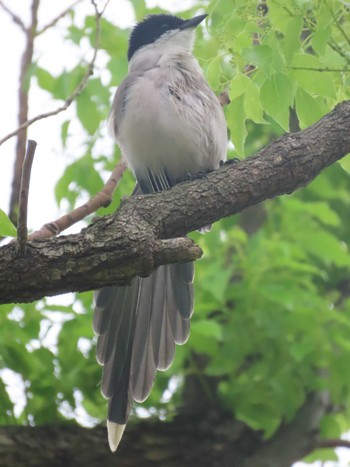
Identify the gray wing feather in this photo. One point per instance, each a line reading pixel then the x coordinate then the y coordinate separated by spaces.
pixel 119 103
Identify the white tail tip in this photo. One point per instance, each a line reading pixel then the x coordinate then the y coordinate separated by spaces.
pixel 115 433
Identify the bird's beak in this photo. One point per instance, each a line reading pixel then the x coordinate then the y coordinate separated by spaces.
pixel 192 23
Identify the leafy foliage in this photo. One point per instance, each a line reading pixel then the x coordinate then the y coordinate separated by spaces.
pixel 272 291
pixel 7 229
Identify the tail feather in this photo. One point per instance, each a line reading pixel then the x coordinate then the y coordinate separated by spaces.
pixel 115 433
pixel 138 326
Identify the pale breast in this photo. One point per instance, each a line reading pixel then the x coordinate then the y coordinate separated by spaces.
pixel 172 122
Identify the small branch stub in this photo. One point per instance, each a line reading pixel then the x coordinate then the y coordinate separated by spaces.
pixel 22 231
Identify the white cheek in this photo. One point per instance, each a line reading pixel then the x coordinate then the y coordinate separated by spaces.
pixel 178 39
pixel 185 39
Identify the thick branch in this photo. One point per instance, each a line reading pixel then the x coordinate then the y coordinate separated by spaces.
pixel 128 243
pixel 211 439
pixel 295 440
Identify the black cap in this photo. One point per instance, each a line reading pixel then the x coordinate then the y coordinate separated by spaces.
pixel 154 26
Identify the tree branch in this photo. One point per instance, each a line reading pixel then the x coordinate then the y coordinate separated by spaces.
pixel 22 230
pixel 333 443
pixel 15 18
pixel 130 242
pixel 101 199
pixel 55 20
pixel 21 133
pixel 211 438
pixel 89 71
pixel 320 69
pixel 293 441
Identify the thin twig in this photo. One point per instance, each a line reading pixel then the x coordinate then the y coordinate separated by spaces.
pixel 55 20
pixel 321 69
pixel 104 8
pixel 333 443
pixel 337 23
pixel 78 89
pixel 101 199
pixel 22 230
pixel 15 18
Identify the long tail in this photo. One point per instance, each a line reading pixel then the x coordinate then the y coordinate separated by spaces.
pixel 137 327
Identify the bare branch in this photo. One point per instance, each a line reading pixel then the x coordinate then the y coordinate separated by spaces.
pixel 104 8
pixel 333 443
pixel 22 231
pixel 26 61
pixel 15 18
pixel 77 90
pixel 56 20
pixel 101 199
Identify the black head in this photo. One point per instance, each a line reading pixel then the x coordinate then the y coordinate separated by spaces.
pixel 155 26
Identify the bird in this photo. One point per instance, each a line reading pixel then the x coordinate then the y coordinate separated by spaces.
pixel 170 127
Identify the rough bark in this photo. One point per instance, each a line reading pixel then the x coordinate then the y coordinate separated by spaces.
pixel 210 440
pixel 131 242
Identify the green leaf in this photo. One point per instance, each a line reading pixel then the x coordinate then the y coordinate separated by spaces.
pixel 310 79
pixel 80 174
pixel 260 56
pixel 300 350
pixel 45 79
pixel 328 248
pixel 320 38
pixel 64 132
pixel 321 455
pixel 7 229
pixel 88 113
pixel 140 8
pixel 208 328
pixel 318 209
pixel 279 14
pixel 67 82
pixel 110 35
pixel 345 163
pixel 119 68
pixel 236 121
pixel 252 105
pixel 276 96
pixel 308 109
pixel 234 25
pixel 239 85
pixel 292 37
pixel 213 73
pixel 76 34
pixel 215 280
